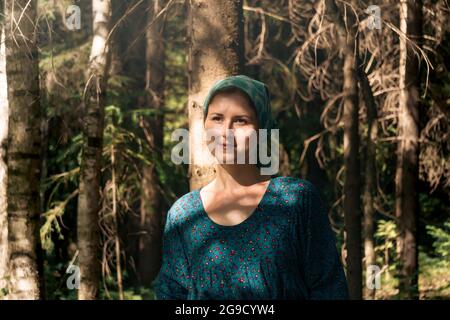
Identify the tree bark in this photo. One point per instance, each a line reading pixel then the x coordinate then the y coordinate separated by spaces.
pixel 90 173
pixel 370 176
pixel 216 50
pixel 128 51
pixel 347 39
pixel 24 149
pixel 151 207
pixel 407 171
pixel 3 165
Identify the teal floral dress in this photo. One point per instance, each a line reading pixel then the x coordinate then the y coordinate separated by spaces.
pixel 284 250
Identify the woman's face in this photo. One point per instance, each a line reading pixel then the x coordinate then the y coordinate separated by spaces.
pixel 229 124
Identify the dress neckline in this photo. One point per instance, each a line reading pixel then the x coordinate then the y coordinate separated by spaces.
pixel 246 220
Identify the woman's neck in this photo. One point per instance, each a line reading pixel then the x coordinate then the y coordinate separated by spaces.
pixel 232 176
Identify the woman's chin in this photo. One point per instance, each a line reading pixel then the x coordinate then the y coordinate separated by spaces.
pixel 230 160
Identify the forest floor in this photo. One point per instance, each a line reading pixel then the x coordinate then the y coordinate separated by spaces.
pixel 434 281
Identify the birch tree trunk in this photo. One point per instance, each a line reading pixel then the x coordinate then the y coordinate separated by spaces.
pixel 216 50
pixel 24 149
pixel 407 172
pixel 3 165
pixel 90 174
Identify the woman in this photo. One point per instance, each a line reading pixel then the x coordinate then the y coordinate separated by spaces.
pixel 246 235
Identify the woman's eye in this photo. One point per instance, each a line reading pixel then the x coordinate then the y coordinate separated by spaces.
pixel 241 121
pixel 215 118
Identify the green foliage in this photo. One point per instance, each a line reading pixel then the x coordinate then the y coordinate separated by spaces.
pixel 4 291
pixel 434 276
pixel 442 242
pixel 386 233
pixel 53 222
pixel 385 248
pixel 56 281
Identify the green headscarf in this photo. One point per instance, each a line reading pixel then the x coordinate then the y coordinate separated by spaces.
pixel 256 90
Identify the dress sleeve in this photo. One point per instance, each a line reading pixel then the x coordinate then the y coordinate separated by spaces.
pixel 173 280
pixel 323 272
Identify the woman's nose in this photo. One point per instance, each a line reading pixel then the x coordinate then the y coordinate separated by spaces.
pixel 227 129
pixel 227 125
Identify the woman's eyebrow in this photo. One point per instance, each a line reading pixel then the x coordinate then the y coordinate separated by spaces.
pixel 244 116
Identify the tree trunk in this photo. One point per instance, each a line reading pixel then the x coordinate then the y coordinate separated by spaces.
pixel 150 239
pixel 128 51
pixel 216 50
pixel 406 178
pixel 3 165
pixel 90 173
pixel 352 212
pixel 370 177
pixel 347 39
pixel 24 149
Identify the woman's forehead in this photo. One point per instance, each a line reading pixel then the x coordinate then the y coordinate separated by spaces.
pixel 230 102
